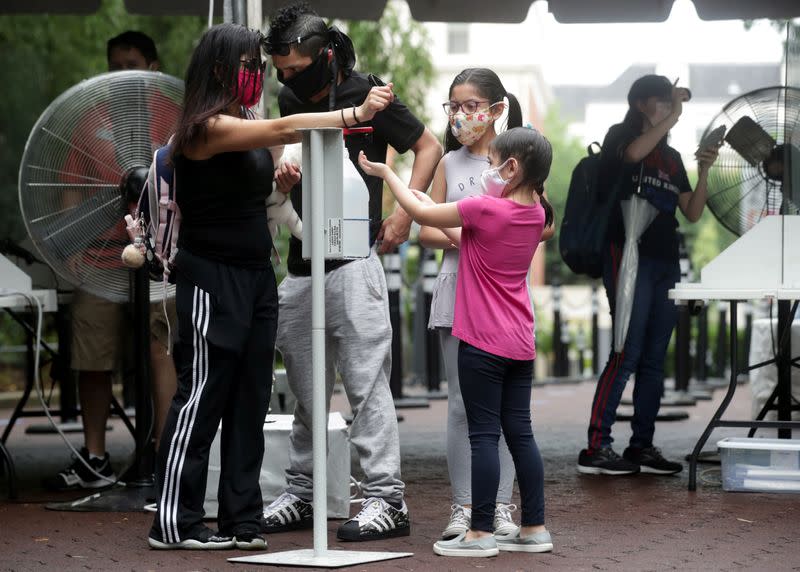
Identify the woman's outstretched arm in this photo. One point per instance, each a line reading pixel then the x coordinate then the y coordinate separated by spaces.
pixel 227 134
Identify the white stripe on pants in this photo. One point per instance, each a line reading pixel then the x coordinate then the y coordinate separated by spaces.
pixel 170 493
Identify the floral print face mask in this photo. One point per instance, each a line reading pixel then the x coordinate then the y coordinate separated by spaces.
pixel 469 127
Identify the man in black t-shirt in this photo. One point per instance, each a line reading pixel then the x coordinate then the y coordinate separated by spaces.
pixel 315 64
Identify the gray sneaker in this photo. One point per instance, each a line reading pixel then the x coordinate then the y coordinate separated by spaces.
pixel 481 548
pixel 539 542
pixel 504 526
pixel 459 523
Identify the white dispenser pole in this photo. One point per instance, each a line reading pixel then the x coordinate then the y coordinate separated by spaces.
pixel 324 157
pixel 319 414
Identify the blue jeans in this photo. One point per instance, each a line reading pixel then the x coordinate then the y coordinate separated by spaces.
pixel 652 319
pixel 497 394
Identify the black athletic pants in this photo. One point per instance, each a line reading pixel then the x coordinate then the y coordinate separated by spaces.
pixel 227 319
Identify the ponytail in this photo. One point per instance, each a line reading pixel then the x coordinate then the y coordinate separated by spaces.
pixel 514 112
pixel 549 214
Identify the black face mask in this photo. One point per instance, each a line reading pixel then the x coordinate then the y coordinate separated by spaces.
pixel 311 80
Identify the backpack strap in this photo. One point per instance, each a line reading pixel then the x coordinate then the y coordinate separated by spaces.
pixel 590 148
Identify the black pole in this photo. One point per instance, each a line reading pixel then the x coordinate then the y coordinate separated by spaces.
pixel 68 397
pixel 722 348
pixel 684 325
pixel 141 473
pixel 784 359
pixel 595 331
pixel 748 330
pixel 701 370
pixel 561 359
pixel 430 270
pixel 682 358
pixel 391 267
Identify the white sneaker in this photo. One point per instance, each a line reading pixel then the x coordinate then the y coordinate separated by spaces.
pixel 460 519
pixel 503 522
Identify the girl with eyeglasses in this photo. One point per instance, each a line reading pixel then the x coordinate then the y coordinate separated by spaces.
pixel 499 233
pixel 227 301
pixel 477 100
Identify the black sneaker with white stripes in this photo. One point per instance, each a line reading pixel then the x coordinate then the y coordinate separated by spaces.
pixel 204 539
pixel 78 476
pixel 287 512
pixel 376 520
pixel 250 541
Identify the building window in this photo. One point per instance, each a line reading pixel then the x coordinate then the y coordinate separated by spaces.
pixel 457 38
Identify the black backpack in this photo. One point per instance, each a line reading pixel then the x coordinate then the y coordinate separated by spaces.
pixel 585 219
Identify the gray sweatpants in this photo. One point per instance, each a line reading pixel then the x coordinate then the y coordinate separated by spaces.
pixel 459 453
pixel 358 339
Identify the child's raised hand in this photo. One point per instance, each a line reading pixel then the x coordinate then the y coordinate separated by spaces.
pixel 423 197
pixel 370 168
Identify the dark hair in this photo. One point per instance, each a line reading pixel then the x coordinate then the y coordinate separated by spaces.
pixel 212 81
pixel 535 155
pixel 488 85
pixel 134 39
pixel 643 88
pixel 296 21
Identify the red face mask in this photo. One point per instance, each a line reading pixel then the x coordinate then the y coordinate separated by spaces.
pixel 250 86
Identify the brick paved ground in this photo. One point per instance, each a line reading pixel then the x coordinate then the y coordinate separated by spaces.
pixel 598 523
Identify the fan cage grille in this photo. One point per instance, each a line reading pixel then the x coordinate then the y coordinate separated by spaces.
pixel 740 194
pixel 71 172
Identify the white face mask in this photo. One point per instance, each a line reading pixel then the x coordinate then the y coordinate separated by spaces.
pixel 492 182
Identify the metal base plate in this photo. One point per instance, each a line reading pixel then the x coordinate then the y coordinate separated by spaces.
pixel 326 559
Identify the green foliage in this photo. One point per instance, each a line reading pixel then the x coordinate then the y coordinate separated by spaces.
pixel 567 151
pixel 43 55
pixel 395 48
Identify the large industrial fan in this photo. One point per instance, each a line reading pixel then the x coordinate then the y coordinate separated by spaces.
pixel 83 167
pixel 751 178
pixel 758 175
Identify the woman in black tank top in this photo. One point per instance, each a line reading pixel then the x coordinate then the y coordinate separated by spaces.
pixel 226 293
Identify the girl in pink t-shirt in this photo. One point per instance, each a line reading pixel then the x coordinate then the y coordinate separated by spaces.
pixel 500 231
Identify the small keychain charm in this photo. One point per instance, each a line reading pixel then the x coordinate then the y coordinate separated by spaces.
pixel 132 255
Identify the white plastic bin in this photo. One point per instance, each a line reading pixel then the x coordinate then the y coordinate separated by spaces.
pixel 276 461
pixel 760 465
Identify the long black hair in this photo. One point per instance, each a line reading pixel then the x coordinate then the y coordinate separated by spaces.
pixel 212 79
pixel 489 86
pixel 535 155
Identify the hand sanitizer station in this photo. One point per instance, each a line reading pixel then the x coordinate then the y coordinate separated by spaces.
pixel 344 198
pixel 335 226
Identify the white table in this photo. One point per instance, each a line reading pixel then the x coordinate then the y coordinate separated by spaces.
pixel 763 264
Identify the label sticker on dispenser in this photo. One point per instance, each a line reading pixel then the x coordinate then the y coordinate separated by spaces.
pixel 334 236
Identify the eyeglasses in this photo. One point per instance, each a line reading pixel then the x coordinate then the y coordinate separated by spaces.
pixel 254 64
pixel 282 47
pixel 469 106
